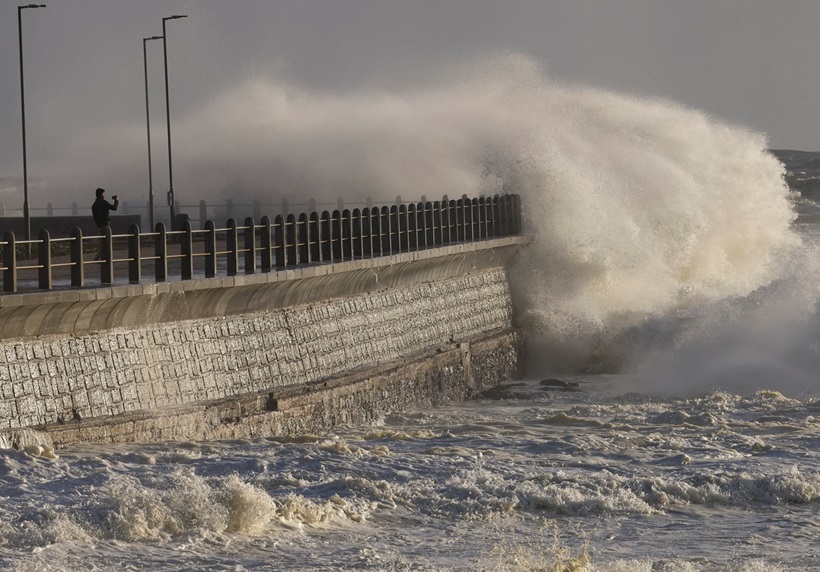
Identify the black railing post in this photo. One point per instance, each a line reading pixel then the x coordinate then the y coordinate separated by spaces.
pixel 367 233
pixel 279 241
pixel 476 219
pixel 453 210
pixel 403 228
pixel 493 215
pixel 516 201
pixel 437 223
pixel 77 264
pixel 134 255
pixel 460 221
pixel 336 235
pixel 445 221
pixel 314 238
pixel 429 227
pixel 290 240
pixel 44 260
pixel 9 262
pixel 467 217
pixel 490 210
pixel 395 230
pixel 265 246
pixel 385 230
pixel 488 216
pixel 324 236
pixel 161 252
pixel 107 269
pixel 412 227
pixel 509 214
pixel 210 249
pixel 503 216
pixel 250 244
pixel 375 232
pixel 187 247
pixel 233 247
pixel 421 226
pixel 302 239
pixel 356 232
pixel 446 232
pixel 481 218
pixel 347 235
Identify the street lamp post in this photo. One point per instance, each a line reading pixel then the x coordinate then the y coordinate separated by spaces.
pixel 26 212
pixel 148 129
pixel 168 117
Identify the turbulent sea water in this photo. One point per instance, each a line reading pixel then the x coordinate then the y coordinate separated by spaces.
pixel 541 479
pixel 672 276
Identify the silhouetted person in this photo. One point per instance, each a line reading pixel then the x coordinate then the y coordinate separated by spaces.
pixel 101 211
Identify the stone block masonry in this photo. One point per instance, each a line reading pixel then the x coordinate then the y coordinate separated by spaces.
pixel 422 380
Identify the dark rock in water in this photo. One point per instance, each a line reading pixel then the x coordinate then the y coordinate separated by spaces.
pixel 559 383
pixel 501 391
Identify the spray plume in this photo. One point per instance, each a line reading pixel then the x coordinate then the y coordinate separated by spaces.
pixel 638 208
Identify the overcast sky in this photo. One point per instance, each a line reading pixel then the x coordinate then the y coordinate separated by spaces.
pixel 750 62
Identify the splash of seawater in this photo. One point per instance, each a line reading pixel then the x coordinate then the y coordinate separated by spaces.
pixel 638 209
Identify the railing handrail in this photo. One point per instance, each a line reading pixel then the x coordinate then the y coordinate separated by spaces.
pixel 286 241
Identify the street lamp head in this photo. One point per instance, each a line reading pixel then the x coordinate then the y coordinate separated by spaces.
pixel 176 17
pixel 31 6
pixel 153 38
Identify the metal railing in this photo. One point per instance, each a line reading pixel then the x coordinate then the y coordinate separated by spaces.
pixel 281 243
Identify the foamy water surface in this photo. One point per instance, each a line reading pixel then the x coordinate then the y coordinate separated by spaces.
pixel 590 478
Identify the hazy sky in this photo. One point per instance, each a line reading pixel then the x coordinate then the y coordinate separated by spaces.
pixel 751 62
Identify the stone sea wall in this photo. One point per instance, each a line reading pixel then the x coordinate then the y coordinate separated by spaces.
pixel 288 368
